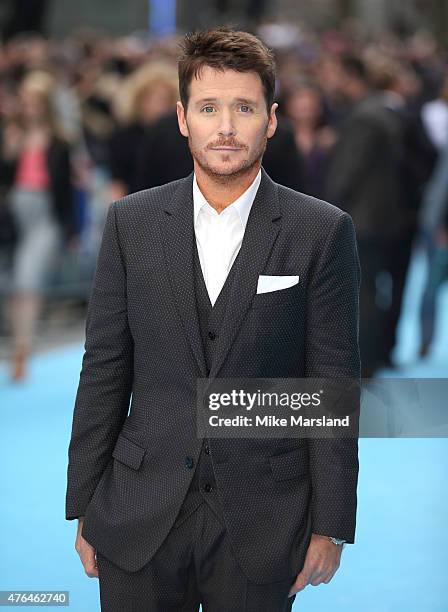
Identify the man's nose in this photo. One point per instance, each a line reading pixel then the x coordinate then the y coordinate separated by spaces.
pixel 226 127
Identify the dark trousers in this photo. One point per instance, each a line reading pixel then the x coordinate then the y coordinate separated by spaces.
pixel 384 265
pixel 194 565
pixel 437 258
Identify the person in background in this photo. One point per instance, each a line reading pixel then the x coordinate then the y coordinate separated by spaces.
pixel 149 93
pixel 397 88
pixel 35 165
pixel 304 108
pixel 365 179
pixel 435 118
pixel 434 238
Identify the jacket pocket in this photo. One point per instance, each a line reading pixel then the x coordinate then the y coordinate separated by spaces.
pixel 288 465
pixel 128 452
pixel 279 296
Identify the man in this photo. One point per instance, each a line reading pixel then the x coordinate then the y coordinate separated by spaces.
pixel 176 520
pixel 365 178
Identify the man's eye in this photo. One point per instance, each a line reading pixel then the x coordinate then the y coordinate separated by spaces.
pixel 246 108
pixel 206 108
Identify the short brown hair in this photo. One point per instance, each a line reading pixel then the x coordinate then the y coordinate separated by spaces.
pixel 224 48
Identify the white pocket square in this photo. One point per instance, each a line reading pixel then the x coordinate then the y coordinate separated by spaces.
pixel 268 283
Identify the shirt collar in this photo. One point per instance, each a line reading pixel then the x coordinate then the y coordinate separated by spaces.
pixel 242 205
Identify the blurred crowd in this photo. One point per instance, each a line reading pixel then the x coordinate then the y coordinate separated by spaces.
pixel 89 119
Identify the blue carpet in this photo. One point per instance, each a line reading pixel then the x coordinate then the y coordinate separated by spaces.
pixel 399 562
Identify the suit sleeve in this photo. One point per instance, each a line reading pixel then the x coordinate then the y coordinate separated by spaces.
pixel 332 352
pixel 105 384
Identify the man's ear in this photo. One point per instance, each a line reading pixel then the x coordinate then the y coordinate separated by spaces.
pixel 272 123
pixel 181 119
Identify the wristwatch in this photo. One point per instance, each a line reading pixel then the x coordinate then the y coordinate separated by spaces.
pixel 337 541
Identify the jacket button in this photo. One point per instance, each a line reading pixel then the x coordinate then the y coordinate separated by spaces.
pixel 207 487
pixel 207 449
pixel 189 462
pixel 211 335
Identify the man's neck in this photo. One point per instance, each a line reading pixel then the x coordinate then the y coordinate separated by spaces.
pixel 221 193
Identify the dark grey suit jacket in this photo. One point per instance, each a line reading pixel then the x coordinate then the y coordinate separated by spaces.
pixel 127 472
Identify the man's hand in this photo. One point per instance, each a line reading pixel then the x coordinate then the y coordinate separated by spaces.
pixel 321 563
pixel 86 552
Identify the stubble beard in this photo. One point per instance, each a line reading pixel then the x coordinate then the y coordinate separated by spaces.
pixel 229 176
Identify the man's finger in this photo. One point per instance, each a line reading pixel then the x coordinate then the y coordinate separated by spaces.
pixel 92 572
pixel 317 579
pixel 300 583
pixel 329 576
pixel 317 575
pixel 89 562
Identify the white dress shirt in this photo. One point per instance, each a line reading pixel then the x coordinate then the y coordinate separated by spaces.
pixel 219 235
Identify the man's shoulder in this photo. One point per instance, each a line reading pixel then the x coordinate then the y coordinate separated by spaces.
pixel 300 206
pixel 147 200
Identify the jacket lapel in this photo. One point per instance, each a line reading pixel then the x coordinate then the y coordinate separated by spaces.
pixel 178 236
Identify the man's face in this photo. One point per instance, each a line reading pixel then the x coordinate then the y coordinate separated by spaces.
pixel 226 123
